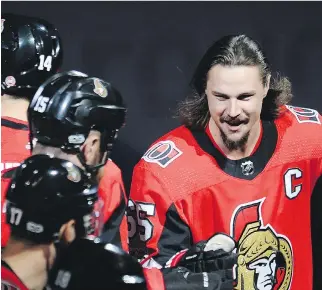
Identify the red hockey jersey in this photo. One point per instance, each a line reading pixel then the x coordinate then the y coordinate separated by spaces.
pixel 9 280
pixel 14 142
pixel 112 192
pixel 184 191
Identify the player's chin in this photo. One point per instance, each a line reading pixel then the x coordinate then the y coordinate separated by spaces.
pixel 235 135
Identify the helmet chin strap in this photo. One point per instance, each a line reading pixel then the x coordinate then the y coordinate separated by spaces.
pixel 106 145
pixel 92 170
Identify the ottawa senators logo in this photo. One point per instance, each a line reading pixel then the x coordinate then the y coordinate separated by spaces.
pixel 100 89
pixel 305 115
pixel 162 153
pixel 74 174
pixel 264 257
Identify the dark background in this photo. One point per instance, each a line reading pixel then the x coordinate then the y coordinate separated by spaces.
pixel 149 50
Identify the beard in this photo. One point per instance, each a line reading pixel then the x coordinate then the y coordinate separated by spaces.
pixel 235 145
pixel 231 144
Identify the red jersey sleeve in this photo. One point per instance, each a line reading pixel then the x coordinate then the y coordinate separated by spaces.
pixel 5 228
pixel 112 192
pixel 154 279
pixel 316 225
pixel 14 142
pixel 157 226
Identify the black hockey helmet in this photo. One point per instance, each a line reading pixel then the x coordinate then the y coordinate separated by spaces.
pixel 45 193
pixel 89 265
pixel 31 52
pixel 68 106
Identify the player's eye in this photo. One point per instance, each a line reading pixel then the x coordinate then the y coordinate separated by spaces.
pixel 221 97
pixel 245 97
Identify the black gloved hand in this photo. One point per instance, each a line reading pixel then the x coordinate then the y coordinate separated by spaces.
pixel 181 278
pixel 207 256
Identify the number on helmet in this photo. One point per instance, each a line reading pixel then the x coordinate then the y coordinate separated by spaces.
pixel 45 62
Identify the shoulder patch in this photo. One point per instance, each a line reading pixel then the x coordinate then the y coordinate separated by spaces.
pixel 305 115
pixel 162 153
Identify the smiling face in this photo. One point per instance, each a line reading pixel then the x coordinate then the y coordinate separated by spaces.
pixel 235 96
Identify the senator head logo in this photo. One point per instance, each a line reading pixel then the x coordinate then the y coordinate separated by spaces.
pixel 265 260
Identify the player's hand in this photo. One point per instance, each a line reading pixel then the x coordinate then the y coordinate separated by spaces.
pixel 207 256
pixel 181 278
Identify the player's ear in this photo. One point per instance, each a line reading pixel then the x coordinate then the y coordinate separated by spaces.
pixel 91 147
pixel 266 88
pixel 67 232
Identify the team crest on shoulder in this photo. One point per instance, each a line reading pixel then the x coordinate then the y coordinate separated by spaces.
pixel 305 115
pixel 162 153
pixel 265 257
